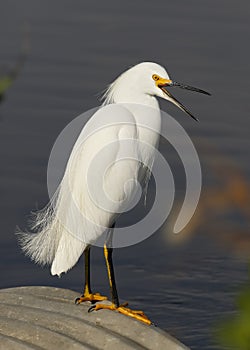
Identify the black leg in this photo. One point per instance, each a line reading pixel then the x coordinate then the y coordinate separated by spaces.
pixel 108 251
pixel 87 289
pixel 87 294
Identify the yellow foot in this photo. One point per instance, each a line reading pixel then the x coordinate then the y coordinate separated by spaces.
pixel 93 297
pixel 137 314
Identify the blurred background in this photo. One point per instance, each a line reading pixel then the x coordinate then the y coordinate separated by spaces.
pixel 56 57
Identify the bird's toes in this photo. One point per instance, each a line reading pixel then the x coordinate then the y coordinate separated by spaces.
pixel 92 308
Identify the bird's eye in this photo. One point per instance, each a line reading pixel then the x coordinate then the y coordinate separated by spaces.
pixel 155 77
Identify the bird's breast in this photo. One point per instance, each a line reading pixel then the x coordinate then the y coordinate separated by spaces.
pixel 148 122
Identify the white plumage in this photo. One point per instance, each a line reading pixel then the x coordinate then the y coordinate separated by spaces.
pixel 111 150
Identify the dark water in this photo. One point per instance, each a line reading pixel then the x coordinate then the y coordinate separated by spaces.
pixel 77 48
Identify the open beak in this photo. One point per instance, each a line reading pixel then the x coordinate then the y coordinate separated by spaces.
pixel 163 83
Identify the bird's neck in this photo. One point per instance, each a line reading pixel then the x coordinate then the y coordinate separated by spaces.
pixel 142 99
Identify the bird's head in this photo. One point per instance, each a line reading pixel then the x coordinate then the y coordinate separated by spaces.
pixel 148 79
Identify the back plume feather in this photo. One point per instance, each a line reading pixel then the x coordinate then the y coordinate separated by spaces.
pixel 41 244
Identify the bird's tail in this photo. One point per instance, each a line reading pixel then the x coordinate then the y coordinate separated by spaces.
pixel 41 245
pixel 52 243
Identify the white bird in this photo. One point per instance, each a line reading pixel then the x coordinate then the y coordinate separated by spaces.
pixel 115 146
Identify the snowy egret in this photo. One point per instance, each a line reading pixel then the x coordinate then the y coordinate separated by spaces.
pixel 61 235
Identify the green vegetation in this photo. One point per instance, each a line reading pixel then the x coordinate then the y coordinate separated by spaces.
pixel 234 332
pixel 8 78
pixel 5 83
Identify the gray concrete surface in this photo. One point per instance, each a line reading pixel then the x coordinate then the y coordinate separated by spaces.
pixel 47 318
